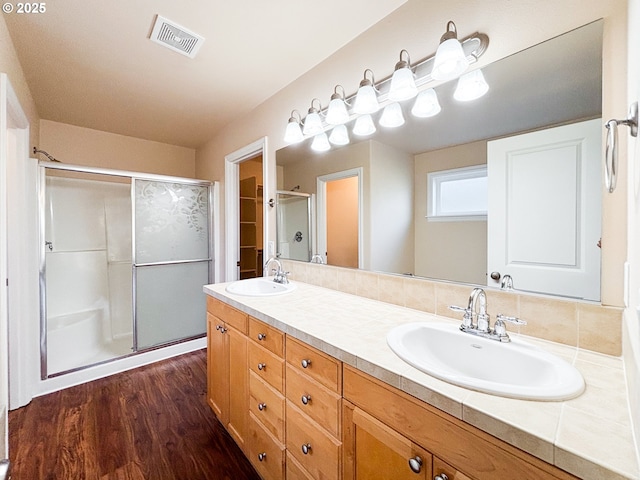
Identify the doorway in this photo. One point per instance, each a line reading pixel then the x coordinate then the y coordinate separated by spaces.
pixel 251 188
pixel 340 236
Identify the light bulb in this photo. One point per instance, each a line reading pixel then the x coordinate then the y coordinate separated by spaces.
pixel 392 116
pixel 471 86
pixel 320 143
pixel 339 135
pixel 426 104
pixel 364 126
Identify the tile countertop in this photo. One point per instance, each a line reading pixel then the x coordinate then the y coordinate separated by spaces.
pixel 589 436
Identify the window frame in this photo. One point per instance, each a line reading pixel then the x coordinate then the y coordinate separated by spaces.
pixel 434 182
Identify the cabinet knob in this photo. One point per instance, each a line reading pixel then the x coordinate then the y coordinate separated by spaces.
pixel 306 448
pixel 262 456
pixel 262 406
pixel 306 363
pixel 262 336
pixel 415 464
pixel 305 399
pixel 442 476
pixel 262 366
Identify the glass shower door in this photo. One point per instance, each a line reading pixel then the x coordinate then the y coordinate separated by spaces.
pixel 171 261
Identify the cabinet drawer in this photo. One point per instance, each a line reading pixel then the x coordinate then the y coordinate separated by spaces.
pixel 295 470
pixel 440 467
pixel 320 403
pixel 267 405
pixel 265 452
pixel 319 366
pixel 228 314
pixel 267 366
pixel 269 337
pixel 322 459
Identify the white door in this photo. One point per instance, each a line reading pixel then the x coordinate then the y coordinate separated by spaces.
pixel 544 219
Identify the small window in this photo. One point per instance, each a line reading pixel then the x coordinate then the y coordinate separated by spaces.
pixel 457 194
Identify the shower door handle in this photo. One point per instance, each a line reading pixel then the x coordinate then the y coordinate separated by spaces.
pixel 50 245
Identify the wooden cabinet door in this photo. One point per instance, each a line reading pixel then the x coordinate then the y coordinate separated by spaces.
pixel 444 470
pixel 218 368
pixel 238 386
pixel 378 452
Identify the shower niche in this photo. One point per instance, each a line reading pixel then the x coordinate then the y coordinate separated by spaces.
pixel 124 258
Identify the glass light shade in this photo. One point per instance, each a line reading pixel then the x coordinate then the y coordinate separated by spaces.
pixel 403 85
pixel 426 104
pixel 471 86
pixel 392 116
pixel 339 135
pixel 337 112
pixel 293 133
pixel 450 60
pixel 312 124
pixel 366 100
pixel 364 126
pixel 320 143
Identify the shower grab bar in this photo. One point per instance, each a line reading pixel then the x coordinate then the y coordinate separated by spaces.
pixel 172 262
pixel 611 150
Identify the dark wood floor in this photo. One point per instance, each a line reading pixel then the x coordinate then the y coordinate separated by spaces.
pixel 149 423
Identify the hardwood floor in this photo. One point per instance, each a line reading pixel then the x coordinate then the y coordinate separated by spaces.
pixel 149 423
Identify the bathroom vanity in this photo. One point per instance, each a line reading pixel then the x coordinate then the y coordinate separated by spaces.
pixel 307 386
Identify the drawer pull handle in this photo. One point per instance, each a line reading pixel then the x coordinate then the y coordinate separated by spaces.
pixel 305 399
pixel 262 336
pixel 262 366
pixel 262 456
pixel 415 464
pixel 442 476
pixel 306 448
pixel 262 406
pixel 306 363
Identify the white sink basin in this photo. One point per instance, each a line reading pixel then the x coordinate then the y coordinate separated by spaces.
pixel 259 287
pixel 516 369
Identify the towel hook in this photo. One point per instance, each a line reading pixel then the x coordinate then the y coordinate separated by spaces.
pixel 611 151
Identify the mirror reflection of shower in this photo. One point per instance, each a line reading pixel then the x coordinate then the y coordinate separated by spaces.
pixel 294 224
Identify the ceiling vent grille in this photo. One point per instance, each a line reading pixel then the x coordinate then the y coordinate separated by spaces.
pixel 175 37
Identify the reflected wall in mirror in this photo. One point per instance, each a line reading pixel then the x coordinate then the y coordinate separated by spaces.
pixel 294 222
pixel 555 83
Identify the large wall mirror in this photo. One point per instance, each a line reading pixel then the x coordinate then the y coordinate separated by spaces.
pixel 552 85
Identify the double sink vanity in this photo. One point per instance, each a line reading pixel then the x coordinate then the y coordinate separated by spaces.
pixel 316 383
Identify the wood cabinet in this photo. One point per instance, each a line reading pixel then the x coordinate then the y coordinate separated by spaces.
pixel 313 412
pixel 267 449
pixel 459 450
pixel 227 386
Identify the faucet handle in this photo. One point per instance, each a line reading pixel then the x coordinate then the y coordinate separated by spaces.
pixel 514 320
pixel 467 318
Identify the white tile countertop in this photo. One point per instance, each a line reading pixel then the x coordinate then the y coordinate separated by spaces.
pixel 589 436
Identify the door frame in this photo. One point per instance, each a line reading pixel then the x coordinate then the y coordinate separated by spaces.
pixel 321 189
pixel 232 202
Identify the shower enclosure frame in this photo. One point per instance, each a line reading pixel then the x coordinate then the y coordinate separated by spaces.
pixel 310 219
pixel 132 176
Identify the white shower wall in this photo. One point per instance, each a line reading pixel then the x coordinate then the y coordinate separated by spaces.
pixel 88 270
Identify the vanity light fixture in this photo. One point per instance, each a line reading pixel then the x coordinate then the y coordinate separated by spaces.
pixel 339 135
pixel 364 126
pixel 367 96
pixel 403 83
pixel 450 59
pixel 471 86
pixel 426 105
pixel 392 116
pixel 320 143
pixel 337 111
pixel 407 81
pixel 293 134
pixel 313 122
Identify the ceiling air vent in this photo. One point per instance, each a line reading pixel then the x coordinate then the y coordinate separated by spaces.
pixel 175 37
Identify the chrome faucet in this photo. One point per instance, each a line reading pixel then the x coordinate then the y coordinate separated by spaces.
pixel 279 275
pixel 477 308
pixel 316 258
pixel 506 283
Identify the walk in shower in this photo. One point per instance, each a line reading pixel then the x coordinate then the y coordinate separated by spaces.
pixel 294 225
pixel 123 261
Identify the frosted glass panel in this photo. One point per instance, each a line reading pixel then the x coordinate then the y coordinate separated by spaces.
pixel 170 303
pixel 171 221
